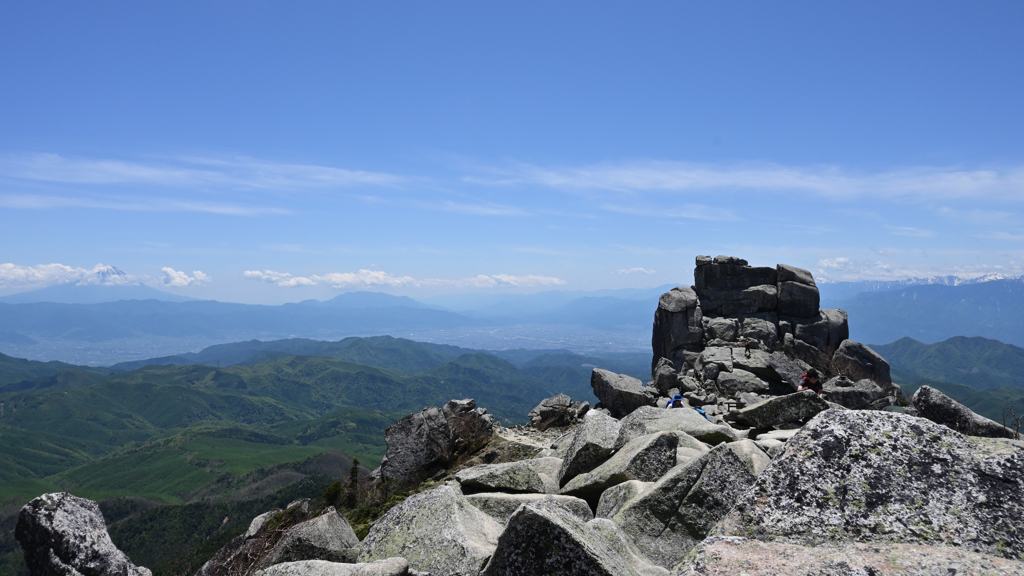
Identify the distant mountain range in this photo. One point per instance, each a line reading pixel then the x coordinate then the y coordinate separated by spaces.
pixel 92 294
pixel 979 363
pixel 833 291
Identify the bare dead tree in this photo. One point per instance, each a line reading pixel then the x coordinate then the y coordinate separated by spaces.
pixel 1015 420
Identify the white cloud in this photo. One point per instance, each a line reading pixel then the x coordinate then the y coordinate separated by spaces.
pixel 378 278
pixel 911 231
pixel 690 211
pixel 926 182
pixel 178 279
pixel 636 271
pixel 44 202
pixel 190 172
pixel 279 278
pixel 17 276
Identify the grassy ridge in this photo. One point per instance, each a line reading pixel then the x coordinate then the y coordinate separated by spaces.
pixel 974 362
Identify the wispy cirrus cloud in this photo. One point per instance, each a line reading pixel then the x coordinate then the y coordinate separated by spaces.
pixel 910 231
pixel 690 211
pixel 188 172
pixel 378 278
pixel 147 204
pixel 667 176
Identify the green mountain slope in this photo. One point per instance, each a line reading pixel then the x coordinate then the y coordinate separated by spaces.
pixel 976 362
pixel 14 370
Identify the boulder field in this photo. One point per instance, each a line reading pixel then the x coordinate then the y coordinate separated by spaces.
pixel 749 476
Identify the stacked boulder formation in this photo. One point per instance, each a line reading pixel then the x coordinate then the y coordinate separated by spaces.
pixel 743 334
pixel 768 481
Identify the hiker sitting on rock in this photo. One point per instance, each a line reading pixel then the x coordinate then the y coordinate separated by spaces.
pixel 675 402
pixel 810 381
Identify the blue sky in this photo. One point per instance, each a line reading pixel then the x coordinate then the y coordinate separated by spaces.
pixel 272 152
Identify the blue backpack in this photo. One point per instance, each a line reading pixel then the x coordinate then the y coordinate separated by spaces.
pixel 702 413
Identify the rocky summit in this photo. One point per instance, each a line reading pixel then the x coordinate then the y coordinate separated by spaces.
pixel 744 475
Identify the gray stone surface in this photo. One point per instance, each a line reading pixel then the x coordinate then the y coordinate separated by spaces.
pixel 650 420
pixel 619 393
pixel 470 426
pixel 63 535
pixel 545 539
pixel 789 273
pixel 592 444
pixel 257 524
pixel 811 355
pixel 666 378
pixel 721 555
pixel 751 455
pixel 771 446
pixel 795 407
pixel 719 356
pixel 882 477
pixel 679 510
pixel 616 539
pixel 327 537
pixel 726 329
pixel 559 410
pixel 728 273
pixel 812 330
pixel 857 361
pixel 677 324
pixel 760 330
pixel 387 567
pixel 437 531
pixel 613 499
pixel 501 506
pixel 646 459
pixel 419 445
pixel 798 299
pixel 939 408
pixel 781 435
pixel 422 444
pixel 732 383
pixel 859 395
pixel 789 371
pixel 838 327
pixel 755 361
pixel 520 476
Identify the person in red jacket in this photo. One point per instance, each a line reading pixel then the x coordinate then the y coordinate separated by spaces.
pixel 811 381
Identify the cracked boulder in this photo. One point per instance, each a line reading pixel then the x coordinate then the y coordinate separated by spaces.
pixel 437 531
pixel 544 539
pixel 646 459
pixel 795 407
pixel 501 506
pixel 536 475
pixel 859 395
pixel 619 393
pixel 64 535
pixel 941 409
pixel 886 478
pixel 679 510
pixel 593 443
pixel 557 411
pixel 326 537
pixel 857 361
